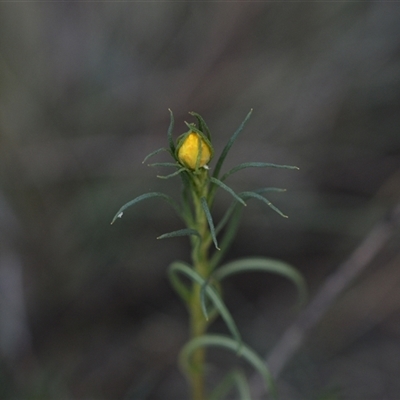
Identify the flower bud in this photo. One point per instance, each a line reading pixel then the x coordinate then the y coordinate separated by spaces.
pixel 194 152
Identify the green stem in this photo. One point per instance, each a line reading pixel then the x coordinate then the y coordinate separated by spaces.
pixel 200 247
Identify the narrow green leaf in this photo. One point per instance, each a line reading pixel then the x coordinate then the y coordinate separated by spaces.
pixel 228 189
pixel 153 153
pixel 173 174
pixel 165 164
pixel 223 388
pixel 231 218
pixel 265 265
pixel 255 165
pixel 228 236
pixel 187 211
pixel 184 269
pixel 213 312
pixel 269 189
pixel 228 146
pixel 146 196
pixel 235 377
pixel 169 133
pixel 210 221
pixel 203 299
pixel 226 217
pixel 230 344
pixel 264 200
pixel 234 205
pixel 180 232
pixel 178 285
pixel 243 385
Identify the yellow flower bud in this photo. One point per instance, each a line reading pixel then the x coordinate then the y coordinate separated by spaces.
pixel 188 151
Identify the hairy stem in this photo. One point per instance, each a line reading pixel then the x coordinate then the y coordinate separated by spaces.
pixel 200 247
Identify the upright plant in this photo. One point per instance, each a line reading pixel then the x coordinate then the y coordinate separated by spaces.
pixel 209 242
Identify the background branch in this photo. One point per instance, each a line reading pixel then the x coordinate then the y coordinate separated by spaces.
pixel 335 284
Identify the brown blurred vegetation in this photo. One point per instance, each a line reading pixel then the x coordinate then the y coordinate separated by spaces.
pixel 86 311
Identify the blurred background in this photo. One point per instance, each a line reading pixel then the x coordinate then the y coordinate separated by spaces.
pixel 86 310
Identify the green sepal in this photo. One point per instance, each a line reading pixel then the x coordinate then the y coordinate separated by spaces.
pixel 202 124
pixel 180 232
pixel 146 196
pixel 225 342
pixel 256 165
pixel 228 146
pixel 179 142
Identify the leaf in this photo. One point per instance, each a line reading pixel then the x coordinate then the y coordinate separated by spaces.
pixel 265 265
pixel 231 218
pixel 235 377
pixel 146 196
pixel 210 221
pixel 173 174
pixel 203 299
pixel 264 200
pixel 165 164
pixel 153 153
pixel 184 269
pixel 269 189
pixel 243 385
pixel 228 146
pixel 228 189
pixel 225 219
pixel 234 205
pixel 178 285
pixel 169 133
pixel 230 344
pixel 180 232
pixel 187 212
pixel 228 236
pixel 255 165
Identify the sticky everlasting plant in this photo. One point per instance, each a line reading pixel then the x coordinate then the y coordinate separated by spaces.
pixel 199 283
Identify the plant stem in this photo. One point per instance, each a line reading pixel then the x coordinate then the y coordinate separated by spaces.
pixel 198 328
pixel 200 246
